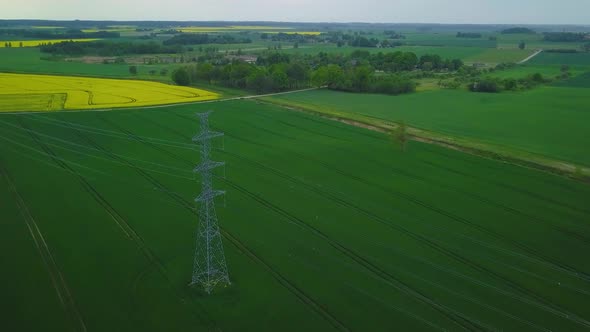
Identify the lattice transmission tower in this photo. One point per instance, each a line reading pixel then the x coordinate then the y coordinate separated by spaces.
pixel 209 267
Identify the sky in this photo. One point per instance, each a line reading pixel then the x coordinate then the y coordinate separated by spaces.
pixel 386 11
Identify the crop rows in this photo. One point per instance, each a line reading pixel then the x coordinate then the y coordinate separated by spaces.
pixel 331 226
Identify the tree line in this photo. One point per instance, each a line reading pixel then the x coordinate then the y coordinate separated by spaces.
pixel 518 30
pixel 201 38
pixel 291 37
pixel 108 48
pixel 359 71
pixel 495 85
pixel 390 61
pixel 565 36
pixel 468 35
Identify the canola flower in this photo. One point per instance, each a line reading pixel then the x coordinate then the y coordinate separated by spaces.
pixel 28 92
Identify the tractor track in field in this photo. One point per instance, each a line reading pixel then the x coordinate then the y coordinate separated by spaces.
pixel 538 257
pixel 266 130
pixel 435 246
pixel 152 258
pixel 546 164
pixel 331 123
pixel 57 279
pixel 141 140
pixel 455 317
pixel 300 115
pixel 113 213
pixel 421 203
pixel 323 192
pixel 290 286
pixel 476 197
pixel 152 144
pixel 440 211
pixel 513 188
pixel 342 202
pixel 512 210
pixel 302 128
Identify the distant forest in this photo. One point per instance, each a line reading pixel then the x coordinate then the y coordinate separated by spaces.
pixel 468 35
pixel 566 36
pixel 518 30
pixel 69 34
pixel 199 39
pixel 107 48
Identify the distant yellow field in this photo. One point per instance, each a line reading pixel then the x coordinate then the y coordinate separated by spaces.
pixel 46 27
pixel 35 43
pixel 109 29
pixel 24 92
pixel 311 33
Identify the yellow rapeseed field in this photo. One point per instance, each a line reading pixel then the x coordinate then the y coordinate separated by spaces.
pixel 310 33
pixel 35 43
pixel 46 27
pixel 24 92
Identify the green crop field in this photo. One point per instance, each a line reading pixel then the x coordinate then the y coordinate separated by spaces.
pixel 474 217
pixel 447 39
pixel 29 60
pixel 579 81
pixel 522 71
pixel 533 41
pixel 574 59
pixel 468 54
pixel 549 121
pixel 496 55
pixel 326 227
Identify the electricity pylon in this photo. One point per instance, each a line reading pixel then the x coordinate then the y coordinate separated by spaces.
pixel 209 267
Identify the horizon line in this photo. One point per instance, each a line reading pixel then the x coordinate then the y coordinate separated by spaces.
pixel 296 22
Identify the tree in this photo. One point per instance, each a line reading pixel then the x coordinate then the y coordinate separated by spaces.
pixel 485 85
pixel 565 68
pixel 328 75
pixel 181 76
pixel 510 84
pixel 538 78
pixel 133 70
pixel 456 64
pixel 400 135
pixel 361 78
pixel 259 81
pixel 204 71
pixel 280 81
pixel 296 73
pixel 522 45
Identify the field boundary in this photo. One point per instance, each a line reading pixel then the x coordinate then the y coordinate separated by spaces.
pixel 480 149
